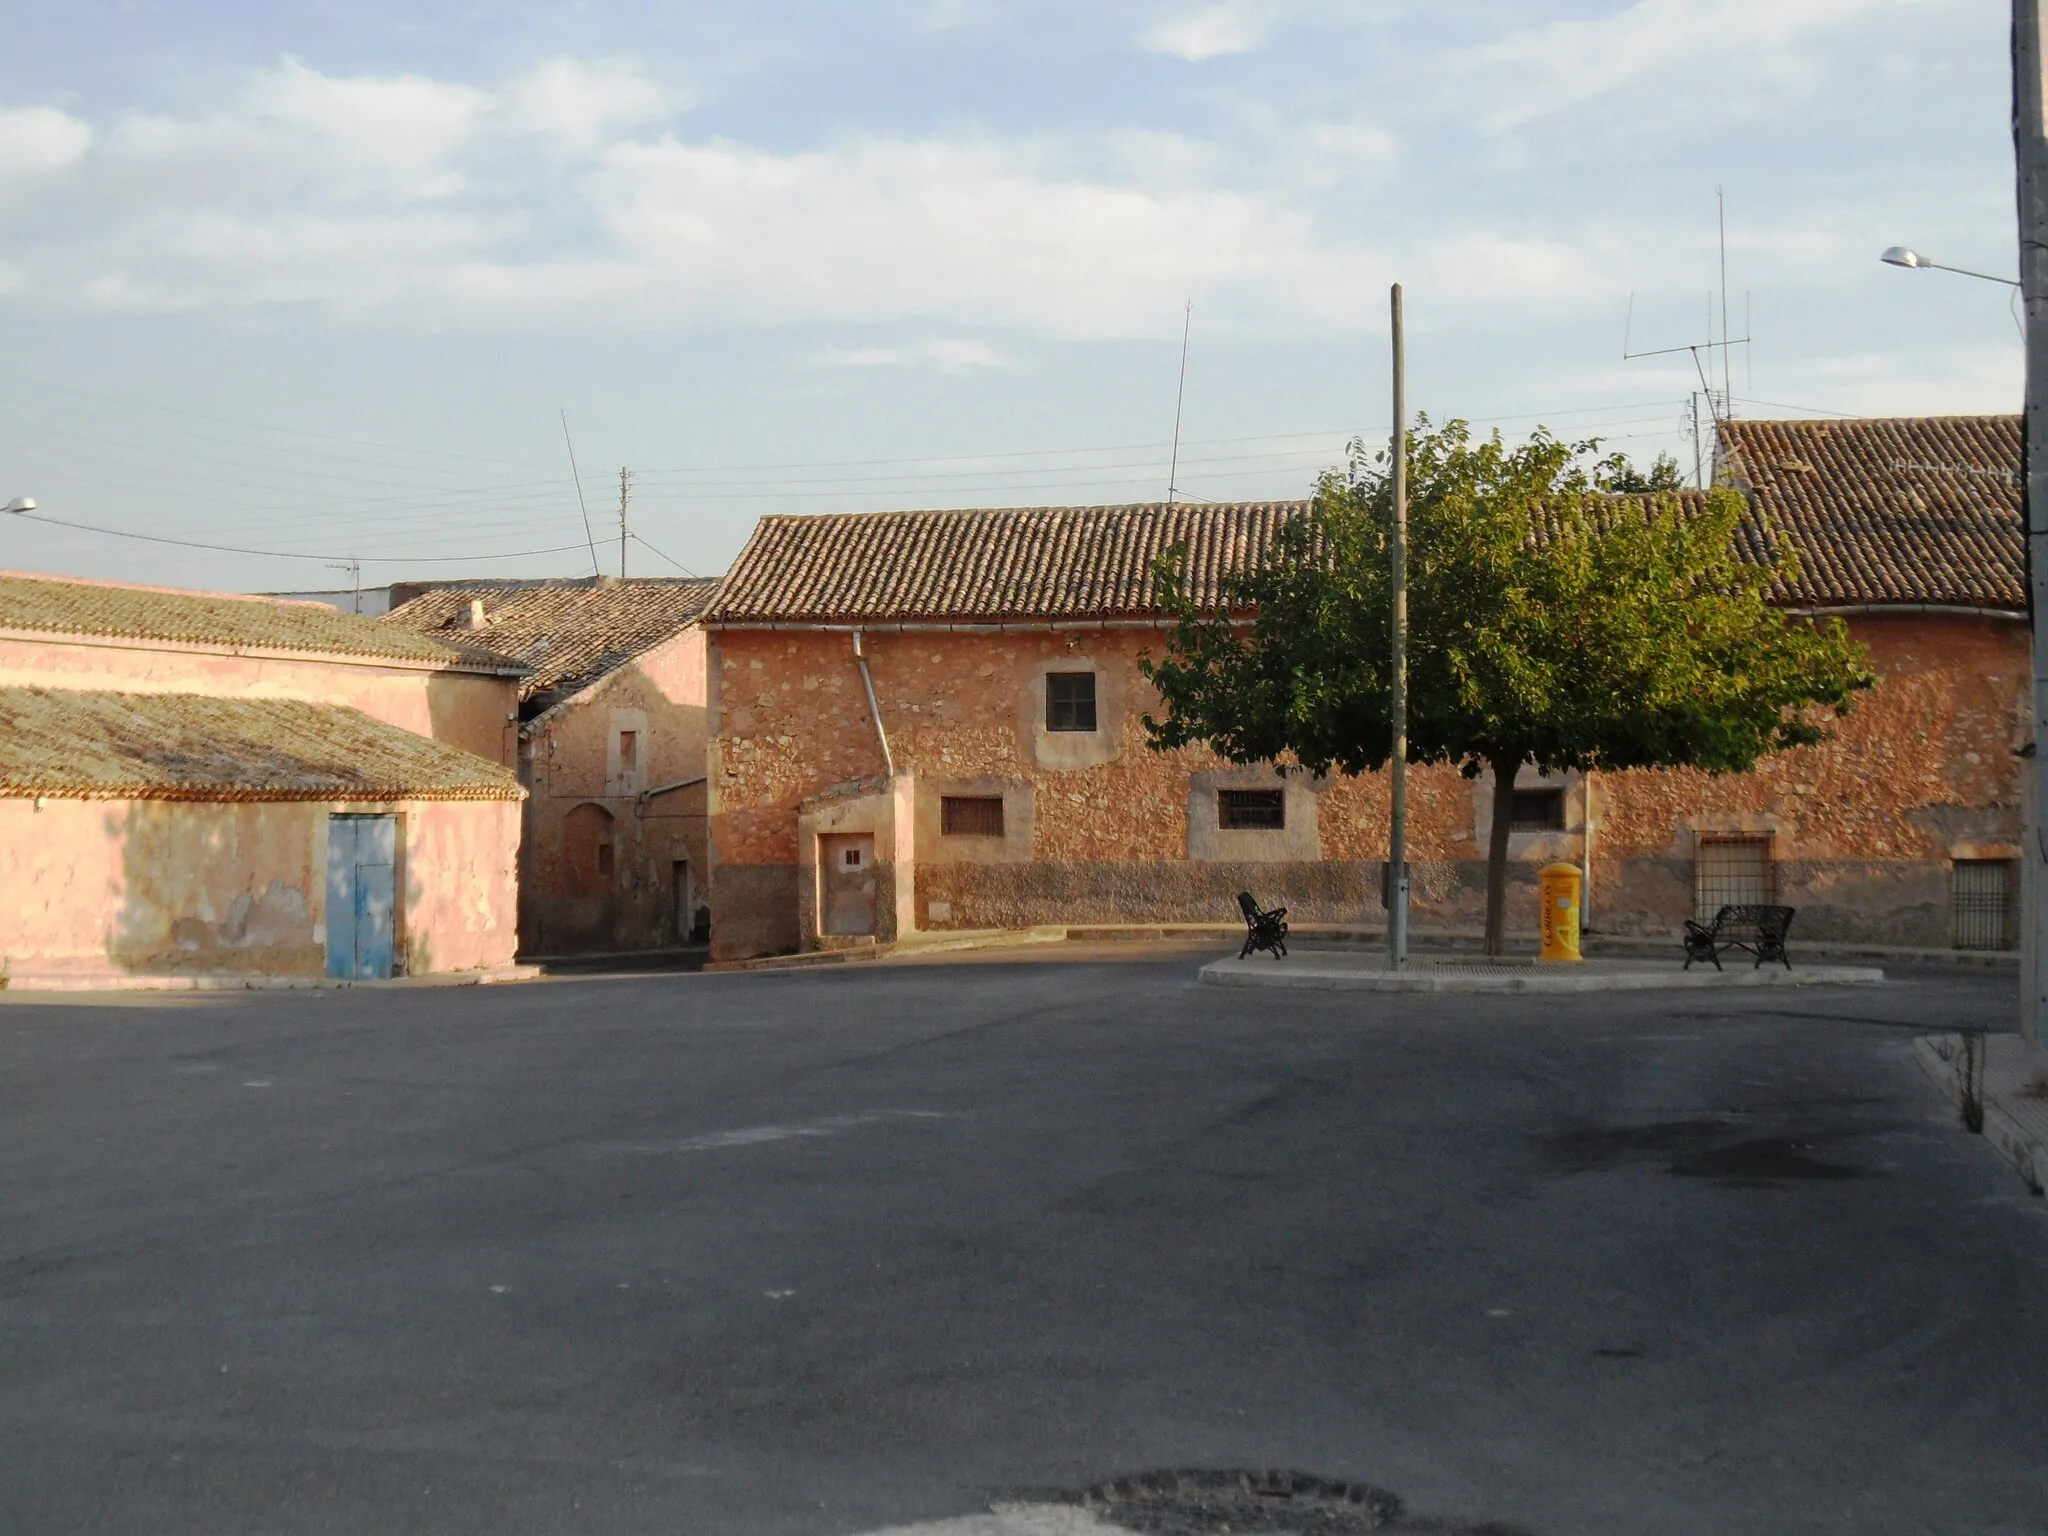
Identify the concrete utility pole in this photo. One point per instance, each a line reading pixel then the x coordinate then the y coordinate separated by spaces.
pixel 2030 149
pixel 625 495
pixel 1397 563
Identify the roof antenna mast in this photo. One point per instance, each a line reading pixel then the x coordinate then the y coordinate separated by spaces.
pixel 577 475
pixel 1179 395
pixel 1720 402
pixel 1727 385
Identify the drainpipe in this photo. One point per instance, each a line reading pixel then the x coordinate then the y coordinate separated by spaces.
pixel 645 795
pixel 860 657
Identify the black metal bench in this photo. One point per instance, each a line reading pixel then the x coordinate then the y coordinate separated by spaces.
pixel 1758 929
pixel 1262 930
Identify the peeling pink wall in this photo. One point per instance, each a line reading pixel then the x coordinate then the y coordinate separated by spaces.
pixel 471 710
pixel 110 888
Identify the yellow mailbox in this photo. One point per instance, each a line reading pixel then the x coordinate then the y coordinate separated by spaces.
pixel 1559 926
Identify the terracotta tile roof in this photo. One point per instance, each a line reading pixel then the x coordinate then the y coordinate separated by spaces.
pixel 190 746
pixel 1014 563
pixel 1918 511
pixel 60 605
pixel 570 633
pixel 1921 510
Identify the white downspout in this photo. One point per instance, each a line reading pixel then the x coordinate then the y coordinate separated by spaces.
pixel 860 656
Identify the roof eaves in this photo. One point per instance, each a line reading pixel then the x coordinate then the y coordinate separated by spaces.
pixel 480 662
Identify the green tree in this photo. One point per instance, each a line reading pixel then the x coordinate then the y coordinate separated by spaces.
pixel 1551 621
pixel 1617 474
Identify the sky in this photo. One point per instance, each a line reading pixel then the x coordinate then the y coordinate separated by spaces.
pixel 322 281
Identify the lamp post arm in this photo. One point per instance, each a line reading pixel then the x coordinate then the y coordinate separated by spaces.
pixel 1943 266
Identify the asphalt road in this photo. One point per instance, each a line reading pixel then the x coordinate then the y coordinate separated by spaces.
pixel 819 1253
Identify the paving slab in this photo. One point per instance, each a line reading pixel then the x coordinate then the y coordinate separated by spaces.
pixel 1337 971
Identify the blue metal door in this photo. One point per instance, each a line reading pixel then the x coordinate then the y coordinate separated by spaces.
pixel 362 868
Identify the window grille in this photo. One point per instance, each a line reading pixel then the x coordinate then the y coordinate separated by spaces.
pixel 1981 904
pixel 1248 810
pixel 1070 701
pixel 1732 872
pixel 971 815
pixel 1539 810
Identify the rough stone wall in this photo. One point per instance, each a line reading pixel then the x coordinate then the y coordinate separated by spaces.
pixel 98 887
pixel 573 758
pixel 1864 826
pixel 474 711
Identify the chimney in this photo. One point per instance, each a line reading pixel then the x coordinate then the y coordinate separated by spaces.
pixel 476 614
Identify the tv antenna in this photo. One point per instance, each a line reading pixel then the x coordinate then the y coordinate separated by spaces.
pixel 355 578
pixel 1721 402
pixel 1180 392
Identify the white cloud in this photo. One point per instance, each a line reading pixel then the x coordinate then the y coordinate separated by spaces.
pixel 1548 68
pixel 416 202
pixel 403 124
pixel 948 354
pixel 40 141
pixel 583 104
pixel 1214 32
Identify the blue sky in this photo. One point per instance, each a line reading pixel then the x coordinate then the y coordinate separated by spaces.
pixel 319 278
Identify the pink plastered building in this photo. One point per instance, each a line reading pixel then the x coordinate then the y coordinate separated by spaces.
pixel 202 787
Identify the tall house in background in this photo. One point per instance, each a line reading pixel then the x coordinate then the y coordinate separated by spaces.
pixel 196 785
pixel 1006 780
pixel 611 748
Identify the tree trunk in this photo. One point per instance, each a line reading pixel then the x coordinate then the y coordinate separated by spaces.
pixel 1504 770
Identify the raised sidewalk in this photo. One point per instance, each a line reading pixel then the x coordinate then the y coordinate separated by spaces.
pixel 1334 970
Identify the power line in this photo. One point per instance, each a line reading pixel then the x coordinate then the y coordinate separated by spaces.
pixel 577 475
pixel 43 387
pixel 289 554
pixel 637 539
pixel 1811 410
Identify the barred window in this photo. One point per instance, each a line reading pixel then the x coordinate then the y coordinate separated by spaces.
pixel 1539 810
pixel 1981 904
pixel 1247 810
pixel 1732 872
pixel 971 815
pixel 1070 701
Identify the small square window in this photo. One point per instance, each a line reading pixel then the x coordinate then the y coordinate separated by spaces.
pixel 849 858
pixel 1251 810
pixel 1539 810
pixel 1732 872
pixel 1070 701
pixel 1982 904
pixel 971 815
pixel 629 751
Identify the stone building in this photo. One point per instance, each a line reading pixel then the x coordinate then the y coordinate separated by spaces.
pixel 196 784
pixel 611 749
pixel 934 720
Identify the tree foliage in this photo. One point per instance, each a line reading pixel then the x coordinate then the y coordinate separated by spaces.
pixel 1551 621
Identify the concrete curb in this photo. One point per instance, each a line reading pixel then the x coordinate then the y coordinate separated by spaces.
pixel 30 984
pixel 1347 973
pixel 2015 1120
pixel 1598 946
pixel 992 938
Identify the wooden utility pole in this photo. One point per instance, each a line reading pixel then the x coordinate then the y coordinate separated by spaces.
pixel 1397 564
pixel 2030 149
pixel 625 495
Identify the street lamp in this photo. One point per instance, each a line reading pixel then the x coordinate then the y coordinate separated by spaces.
pixel 1905 256
pixel 20 504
